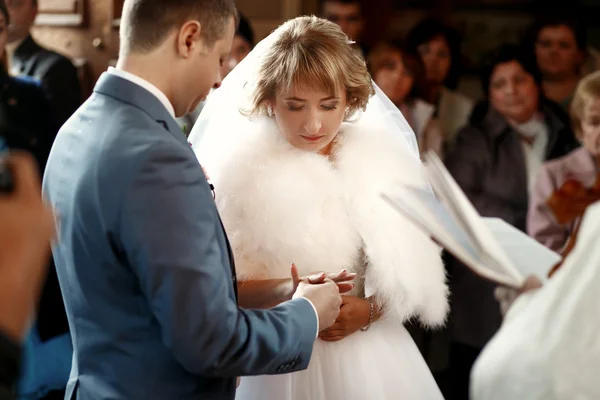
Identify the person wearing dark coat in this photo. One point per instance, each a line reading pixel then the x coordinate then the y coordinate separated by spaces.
pixel 495 161
pixel 56 72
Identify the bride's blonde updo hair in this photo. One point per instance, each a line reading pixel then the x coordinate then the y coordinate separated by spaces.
pixel 312 52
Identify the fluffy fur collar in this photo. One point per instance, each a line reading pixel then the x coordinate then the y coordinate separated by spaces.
pixel 281 205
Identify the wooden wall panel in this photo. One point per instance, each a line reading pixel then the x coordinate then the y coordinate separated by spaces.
pixel 93 44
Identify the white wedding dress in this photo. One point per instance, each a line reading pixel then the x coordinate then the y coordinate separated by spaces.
pixel 381 363
pixel 281 205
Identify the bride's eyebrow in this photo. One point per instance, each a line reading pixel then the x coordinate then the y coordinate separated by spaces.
pixel 299 99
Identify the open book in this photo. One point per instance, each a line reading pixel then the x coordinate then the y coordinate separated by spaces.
pixel 490 247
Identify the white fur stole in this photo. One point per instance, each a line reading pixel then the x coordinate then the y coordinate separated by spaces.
pixel 281 205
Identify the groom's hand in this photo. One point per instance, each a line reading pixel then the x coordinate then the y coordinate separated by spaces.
pixel 325 298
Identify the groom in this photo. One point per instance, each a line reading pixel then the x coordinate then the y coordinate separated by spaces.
pixel 143 262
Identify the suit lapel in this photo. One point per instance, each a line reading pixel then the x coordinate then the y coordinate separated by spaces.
pixel 26 57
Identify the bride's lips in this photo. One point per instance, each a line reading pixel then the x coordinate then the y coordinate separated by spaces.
pixel 312 138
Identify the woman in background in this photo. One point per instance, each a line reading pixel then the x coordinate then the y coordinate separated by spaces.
pixel 400 75
pixel 495 161
pixel 439 47
pixel 581 165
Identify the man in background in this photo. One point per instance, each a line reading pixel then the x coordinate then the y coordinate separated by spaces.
pixel 58 75
pixel 349 16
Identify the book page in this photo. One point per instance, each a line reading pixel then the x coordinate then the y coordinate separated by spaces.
pixel 467 217
pixel 428 214
pixel 528 255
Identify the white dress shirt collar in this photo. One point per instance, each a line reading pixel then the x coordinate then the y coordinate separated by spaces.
pixel 146 85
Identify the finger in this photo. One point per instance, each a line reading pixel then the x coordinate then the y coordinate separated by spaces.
pixel 25 174
pixel 345 288
pixel 331 339
pixel 337 326
pixel 316 278
pixel 295 274
pixel 343 275
pixel 346 277
pixel 336 275
pixel 531 283
pixel 331 332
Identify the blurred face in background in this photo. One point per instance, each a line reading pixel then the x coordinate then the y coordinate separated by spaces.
pixel 557 53
pixel 437 59
pixel 347 16
pixel 513 92
pixel 239 50
pixel 590 125
pixel 3 34
pixel 394 78
pixel 22 15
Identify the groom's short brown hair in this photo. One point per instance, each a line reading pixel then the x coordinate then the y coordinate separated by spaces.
pixel 145 24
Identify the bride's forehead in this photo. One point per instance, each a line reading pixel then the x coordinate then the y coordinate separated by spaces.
pixel 309 92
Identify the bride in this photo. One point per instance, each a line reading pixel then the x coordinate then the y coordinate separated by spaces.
pixel 299 145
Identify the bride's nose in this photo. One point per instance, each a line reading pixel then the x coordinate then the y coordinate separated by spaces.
pixel 313 125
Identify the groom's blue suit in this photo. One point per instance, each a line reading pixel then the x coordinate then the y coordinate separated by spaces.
pixel 144 264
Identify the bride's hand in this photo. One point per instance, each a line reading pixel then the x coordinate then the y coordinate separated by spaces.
pixel 343 279
pixel 354 315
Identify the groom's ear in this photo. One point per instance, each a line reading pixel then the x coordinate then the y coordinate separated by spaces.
pixel 189 38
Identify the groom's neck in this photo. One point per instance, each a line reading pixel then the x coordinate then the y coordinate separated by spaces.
pixel 152 68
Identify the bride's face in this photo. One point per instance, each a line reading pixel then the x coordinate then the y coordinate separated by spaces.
pixel 309 118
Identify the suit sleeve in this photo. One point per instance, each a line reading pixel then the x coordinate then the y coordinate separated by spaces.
pixel 63 89
pixel 541 224
pixel 174 242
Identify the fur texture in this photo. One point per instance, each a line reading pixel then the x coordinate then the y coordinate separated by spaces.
pixel 281 205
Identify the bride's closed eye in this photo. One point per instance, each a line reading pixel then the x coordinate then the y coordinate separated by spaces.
pixel 298 107
pixel 294 107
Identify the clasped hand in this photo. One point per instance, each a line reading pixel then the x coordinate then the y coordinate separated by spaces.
pixel 343 279
pixel 354 312
pixel 354 315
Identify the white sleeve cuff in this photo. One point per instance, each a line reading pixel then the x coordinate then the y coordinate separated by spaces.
pixel 316 314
